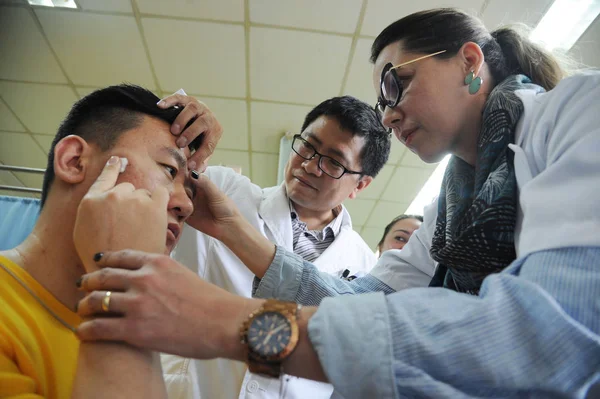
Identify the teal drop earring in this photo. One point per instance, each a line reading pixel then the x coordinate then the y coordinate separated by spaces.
pixel 474 82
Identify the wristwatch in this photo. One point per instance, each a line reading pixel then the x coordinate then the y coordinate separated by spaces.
pixel 270 335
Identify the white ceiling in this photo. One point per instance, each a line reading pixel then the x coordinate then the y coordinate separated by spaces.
pixel 259 64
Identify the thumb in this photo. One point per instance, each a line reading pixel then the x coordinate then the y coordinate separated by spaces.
pixel 108 177
pixel 205 187
pixel 219 203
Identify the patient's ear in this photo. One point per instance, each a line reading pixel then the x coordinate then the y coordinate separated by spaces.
pixel 71 156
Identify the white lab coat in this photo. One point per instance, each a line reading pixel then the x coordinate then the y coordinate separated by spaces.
pixel 269 212
pixel 557 166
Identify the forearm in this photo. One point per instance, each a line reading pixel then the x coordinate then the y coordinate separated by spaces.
pixel 290 278
pixel 116 370
pixel 248 244
pixel 514 323
pixel 303 361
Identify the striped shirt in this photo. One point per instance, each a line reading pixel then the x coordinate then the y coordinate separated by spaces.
pixel 310 244
pixel 533 331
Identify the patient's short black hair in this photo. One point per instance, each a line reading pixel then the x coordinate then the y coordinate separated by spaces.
pixel 102 116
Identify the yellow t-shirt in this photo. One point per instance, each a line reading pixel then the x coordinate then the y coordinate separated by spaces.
pixel 38 354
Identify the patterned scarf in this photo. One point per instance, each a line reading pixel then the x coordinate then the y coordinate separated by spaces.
pixel 477 210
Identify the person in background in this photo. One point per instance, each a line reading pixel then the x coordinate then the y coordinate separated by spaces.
pixel 340 148
pixel 398 231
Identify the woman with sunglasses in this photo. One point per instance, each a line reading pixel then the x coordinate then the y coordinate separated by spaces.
pixel 510 249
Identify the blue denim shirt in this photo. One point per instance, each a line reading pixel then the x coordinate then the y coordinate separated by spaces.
pixel 533 332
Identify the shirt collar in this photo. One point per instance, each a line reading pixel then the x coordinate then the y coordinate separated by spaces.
pixel 334 226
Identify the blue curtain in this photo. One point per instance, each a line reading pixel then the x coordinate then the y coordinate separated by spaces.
pixel 17 218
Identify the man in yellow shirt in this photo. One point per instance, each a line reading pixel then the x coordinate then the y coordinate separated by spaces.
pixel 38 279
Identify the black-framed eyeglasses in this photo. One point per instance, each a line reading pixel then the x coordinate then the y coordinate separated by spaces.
pixel 327 165
pixel 391 87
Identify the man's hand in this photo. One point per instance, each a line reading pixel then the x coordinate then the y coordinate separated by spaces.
pixel 204 122
pixel 214 214
pixel 113 217
pixel 160 305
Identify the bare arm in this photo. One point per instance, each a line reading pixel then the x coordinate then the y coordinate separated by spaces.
pixel 105 221
pixel 175 296
pixel 116 370
pixel 253 249
pixel 217 215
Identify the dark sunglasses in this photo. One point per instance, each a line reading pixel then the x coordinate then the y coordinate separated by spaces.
pixel 390 85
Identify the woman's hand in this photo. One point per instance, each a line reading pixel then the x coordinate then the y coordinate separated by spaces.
pixel 160 305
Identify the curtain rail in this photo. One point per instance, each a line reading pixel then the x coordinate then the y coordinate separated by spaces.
pixel 22 169
pixel 21 189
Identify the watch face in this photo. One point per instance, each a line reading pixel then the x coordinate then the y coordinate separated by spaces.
pixel 269 334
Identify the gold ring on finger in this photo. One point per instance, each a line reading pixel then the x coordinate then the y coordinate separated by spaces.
pixel 106 302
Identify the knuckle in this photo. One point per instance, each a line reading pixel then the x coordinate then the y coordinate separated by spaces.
pixel 102 277
pixel 86 199
pixel 161 261
pixel 143 282
pixel 86 330
pixel 126 253
pixel 137 280
pixel 147 259
pixel 152 281
pixel 171 99
pixel 136 305
pixel 112 195
pixel 211 146
pixel 87 202
pixel 192 106
pixel 95 300
pixel 97 329
pixel 89 330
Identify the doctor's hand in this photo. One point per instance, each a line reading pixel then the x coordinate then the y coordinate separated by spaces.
pixel 203 122
pixel 115 216
pixel 215 213
pixel 158 304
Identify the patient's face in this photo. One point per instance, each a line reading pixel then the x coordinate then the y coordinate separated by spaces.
pixel 155 160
